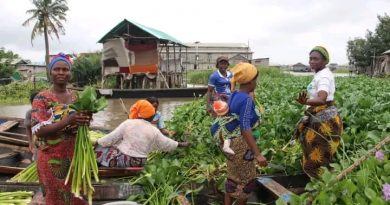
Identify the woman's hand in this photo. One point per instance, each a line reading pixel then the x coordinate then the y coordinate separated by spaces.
pixel 171 133
pixel 184 144
pixel 302 98
pixel 80 118
pixel 261 160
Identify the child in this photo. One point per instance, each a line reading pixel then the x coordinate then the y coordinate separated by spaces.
pixel 221 108
pixel 27 123
pixel 158 120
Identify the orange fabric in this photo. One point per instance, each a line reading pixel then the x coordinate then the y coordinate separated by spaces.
pixel 142 109
pixel 220 107
pixel 152 68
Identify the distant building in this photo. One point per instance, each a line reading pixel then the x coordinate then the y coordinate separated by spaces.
pixel 333 66
pixel 300 67
pixel 382 64
pixel 260 61
pixel 25 68
pixel 204 55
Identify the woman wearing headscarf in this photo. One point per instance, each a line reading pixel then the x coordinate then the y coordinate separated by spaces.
pixel 320 129
pixel 131 142
pixel 237 126
pixel 54 124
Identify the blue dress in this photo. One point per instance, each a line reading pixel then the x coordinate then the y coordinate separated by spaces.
pixel 242 116
pixel 221 83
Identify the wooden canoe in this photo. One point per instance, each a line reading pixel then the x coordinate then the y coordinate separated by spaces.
pixel 103 192
pixel 14 147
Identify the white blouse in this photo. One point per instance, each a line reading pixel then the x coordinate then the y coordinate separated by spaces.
pixel 323 80
pixel 137 138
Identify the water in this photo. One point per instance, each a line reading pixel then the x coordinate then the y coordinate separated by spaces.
pixel 312 73
pixel 112 116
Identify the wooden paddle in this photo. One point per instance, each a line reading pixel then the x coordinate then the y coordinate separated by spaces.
pixel 124 107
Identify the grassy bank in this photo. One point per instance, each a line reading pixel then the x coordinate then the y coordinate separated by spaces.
pixel 201 77
pixel 19 92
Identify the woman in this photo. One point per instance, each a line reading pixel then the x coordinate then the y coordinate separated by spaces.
pixel 320 129
pixel 130 143
pixel 237 126
pixel 158 120
pixel 219 83
pixel 55 126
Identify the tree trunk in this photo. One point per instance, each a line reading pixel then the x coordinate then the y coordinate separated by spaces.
pixel 46 47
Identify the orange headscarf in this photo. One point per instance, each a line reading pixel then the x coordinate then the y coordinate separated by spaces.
pixel 142 109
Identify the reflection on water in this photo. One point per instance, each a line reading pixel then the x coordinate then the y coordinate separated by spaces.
pixel 111 117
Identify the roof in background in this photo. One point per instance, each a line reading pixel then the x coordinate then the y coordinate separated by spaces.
pixel 138 30
pixel 386 52
pixel 199 44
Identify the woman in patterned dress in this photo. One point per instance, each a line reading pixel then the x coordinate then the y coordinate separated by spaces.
pixel 55 125
pixel 320 129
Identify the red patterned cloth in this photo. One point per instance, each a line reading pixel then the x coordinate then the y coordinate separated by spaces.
pixel 55 152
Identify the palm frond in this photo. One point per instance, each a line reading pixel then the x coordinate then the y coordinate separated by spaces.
pixel 28 21
pixel 53 11
pixel 35 31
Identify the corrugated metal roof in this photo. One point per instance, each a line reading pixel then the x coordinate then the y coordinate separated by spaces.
pixel 151 31
pixel 239 45
pixel 14 61
pixel 219 51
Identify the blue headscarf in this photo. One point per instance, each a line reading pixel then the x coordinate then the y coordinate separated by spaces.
pixel 60 57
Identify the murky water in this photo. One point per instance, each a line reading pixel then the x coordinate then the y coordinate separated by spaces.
pixel 111 117
pixel 312 73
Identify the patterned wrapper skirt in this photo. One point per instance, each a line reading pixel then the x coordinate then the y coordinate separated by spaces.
pixel 319 133
pixel 53 165
pixel 112 157
pixel 241 169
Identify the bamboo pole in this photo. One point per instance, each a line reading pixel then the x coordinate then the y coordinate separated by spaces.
pixel 362 159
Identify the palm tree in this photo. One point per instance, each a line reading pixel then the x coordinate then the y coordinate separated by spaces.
pixel 48 16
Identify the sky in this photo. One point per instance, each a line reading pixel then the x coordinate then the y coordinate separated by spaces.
pixel 283 30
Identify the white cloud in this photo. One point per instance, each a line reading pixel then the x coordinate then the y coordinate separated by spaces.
pixel 283 30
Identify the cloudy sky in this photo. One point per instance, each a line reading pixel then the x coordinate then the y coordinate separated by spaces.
pixel 282 30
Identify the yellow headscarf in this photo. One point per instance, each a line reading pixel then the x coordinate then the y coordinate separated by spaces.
pixel 243 73
pixel 142 109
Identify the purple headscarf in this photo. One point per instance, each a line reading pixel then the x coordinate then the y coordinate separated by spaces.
pixel 60 57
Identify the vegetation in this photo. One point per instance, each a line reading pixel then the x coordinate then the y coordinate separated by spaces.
pixel 361 50
pixel 83 166
pixel 198 76
pixel 201 77
pixel 86 70
pixel 48 16
pixel 6 57
pixel 200 169
pixel 17 197
pixel 19 92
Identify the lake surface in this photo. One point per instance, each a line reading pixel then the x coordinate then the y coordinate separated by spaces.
pixel 112 116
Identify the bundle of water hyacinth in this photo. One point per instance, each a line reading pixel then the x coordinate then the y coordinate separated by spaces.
pixel 16 198
pixel 29 174
pixel 83 166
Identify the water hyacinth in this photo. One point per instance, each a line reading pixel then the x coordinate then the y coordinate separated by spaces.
pixel 379 155
pixel 386 191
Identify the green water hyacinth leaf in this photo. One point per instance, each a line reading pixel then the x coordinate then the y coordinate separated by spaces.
pixel 87 101
pixel 100 104
pixel 370 193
